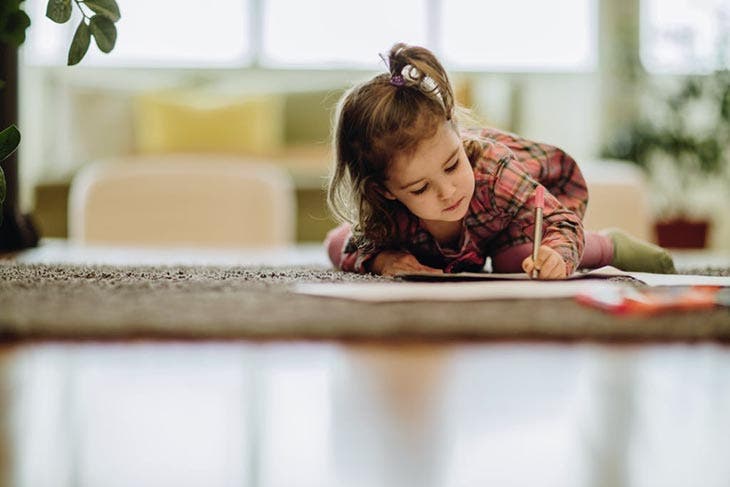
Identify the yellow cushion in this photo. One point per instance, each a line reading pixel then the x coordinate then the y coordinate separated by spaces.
pixel 197 121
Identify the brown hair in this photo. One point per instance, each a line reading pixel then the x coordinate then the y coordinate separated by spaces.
pixel 375 120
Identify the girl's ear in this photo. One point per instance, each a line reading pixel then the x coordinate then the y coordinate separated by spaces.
pixel 381 190
pixel 385 193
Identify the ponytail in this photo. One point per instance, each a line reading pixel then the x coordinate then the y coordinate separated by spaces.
pixel 417 68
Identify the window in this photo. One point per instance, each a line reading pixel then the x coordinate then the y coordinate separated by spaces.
pixel 467 34
pixel 685 36
pixel 152 33
pixel 520 35
pixel 337 32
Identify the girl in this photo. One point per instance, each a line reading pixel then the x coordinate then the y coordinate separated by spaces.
pixel 416 193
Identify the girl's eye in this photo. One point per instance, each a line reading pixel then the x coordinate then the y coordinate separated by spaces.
pixel 420 190
pixel 452 167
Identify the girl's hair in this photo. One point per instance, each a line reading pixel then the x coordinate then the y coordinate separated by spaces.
pixel 375 120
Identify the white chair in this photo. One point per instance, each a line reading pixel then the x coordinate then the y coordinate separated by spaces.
pixel 193 200
pixel 617 197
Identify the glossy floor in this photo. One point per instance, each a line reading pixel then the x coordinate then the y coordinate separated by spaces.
pixel 320 414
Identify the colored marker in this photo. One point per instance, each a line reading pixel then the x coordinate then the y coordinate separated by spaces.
pixel 537 238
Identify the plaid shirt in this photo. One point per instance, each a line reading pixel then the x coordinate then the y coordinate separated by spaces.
pixel 507 169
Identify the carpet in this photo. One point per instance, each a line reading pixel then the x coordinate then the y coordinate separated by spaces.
pixel 42 301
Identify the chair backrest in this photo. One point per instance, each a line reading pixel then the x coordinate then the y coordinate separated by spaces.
pixel 617 197
pixel 182 200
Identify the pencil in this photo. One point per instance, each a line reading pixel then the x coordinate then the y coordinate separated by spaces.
pixel 537 237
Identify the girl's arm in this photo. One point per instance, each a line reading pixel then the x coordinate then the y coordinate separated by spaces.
pixel 551 166
pixel 345 256
pixel 392 262
pixel 509 190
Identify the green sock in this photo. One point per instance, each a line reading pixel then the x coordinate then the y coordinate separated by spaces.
pixel 633 254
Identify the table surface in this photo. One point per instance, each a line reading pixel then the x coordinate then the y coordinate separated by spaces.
pixel 325 413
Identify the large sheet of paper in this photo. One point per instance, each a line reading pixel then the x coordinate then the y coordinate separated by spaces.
pixel 478 286
pixel 680 279
pixel 451 291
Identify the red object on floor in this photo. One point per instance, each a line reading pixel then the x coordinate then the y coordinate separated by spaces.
pixel 653 300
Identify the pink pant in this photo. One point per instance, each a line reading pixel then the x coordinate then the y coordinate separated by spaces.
pixel 597 253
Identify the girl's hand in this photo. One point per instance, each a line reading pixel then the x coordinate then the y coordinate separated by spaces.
pixel 390 262
pixel 550 265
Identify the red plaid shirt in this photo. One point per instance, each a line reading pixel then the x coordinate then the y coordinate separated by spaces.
pixel 501 213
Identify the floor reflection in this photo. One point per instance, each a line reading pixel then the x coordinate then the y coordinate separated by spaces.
pixel 319 414
pixel 388 415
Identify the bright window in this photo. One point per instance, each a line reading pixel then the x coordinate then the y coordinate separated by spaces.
pixel 517 35
pixel 685 36
pixel 153 33
pixel 338 32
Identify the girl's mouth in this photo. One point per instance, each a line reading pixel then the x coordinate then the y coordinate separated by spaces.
pixel 455 205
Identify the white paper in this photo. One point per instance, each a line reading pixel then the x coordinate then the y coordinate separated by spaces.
pixel 451 291
pixel 680 279
pixel 512 288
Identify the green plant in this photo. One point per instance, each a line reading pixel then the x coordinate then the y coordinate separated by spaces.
pixel 13 24
pixel 682 141
pixel 9 141
pixel 100 24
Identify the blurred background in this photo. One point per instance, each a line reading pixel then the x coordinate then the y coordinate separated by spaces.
pixel 643 81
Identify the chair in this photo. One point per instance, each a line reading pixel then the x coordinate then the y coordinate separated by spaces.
pixel 617 197
pixel 182 200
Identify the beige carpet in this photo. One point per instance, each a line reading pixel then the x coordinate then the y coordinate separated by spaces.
pixel 76 302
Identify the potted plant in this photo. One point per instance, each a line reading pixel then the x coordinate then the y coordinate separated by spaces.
pixel 682 141
pixel 98 18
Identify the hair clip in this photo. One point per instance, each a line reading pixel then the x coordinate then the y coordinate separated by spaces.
pixel 411 74
pixel 397 80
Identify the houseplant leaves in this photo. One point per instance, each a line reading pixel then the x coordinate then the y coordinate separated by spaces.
pixel 9 141
pixel 100 25
pixel 13 22
pixel 59 11
pixel 79 44
pixel 106 8
pixel 104 32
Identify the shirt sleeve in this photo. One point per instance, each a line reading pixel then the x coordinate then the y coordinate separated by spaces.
pixel 551 166
pixel 508 190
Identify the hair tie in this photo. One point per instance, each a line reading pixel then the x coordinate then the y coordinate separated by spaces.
pixel 397 80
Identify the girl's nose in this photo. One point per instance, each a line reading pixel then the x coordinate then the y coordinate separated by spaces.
pixel 446 190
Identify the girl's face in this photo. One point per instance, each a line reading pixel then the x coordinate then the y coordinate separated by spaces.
pixel 436 182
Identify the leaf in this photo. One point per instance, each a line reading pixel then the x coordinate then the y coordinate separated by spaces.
pixel 107 8
pixel 9 141
pixel 9 6
pixel 13 32
pixel 79 44
pixel 59 11
pixel 104 32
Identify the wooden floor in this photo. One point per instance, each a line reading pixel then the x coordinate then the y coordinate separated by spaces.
pixel 321 414
pixel 360 414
